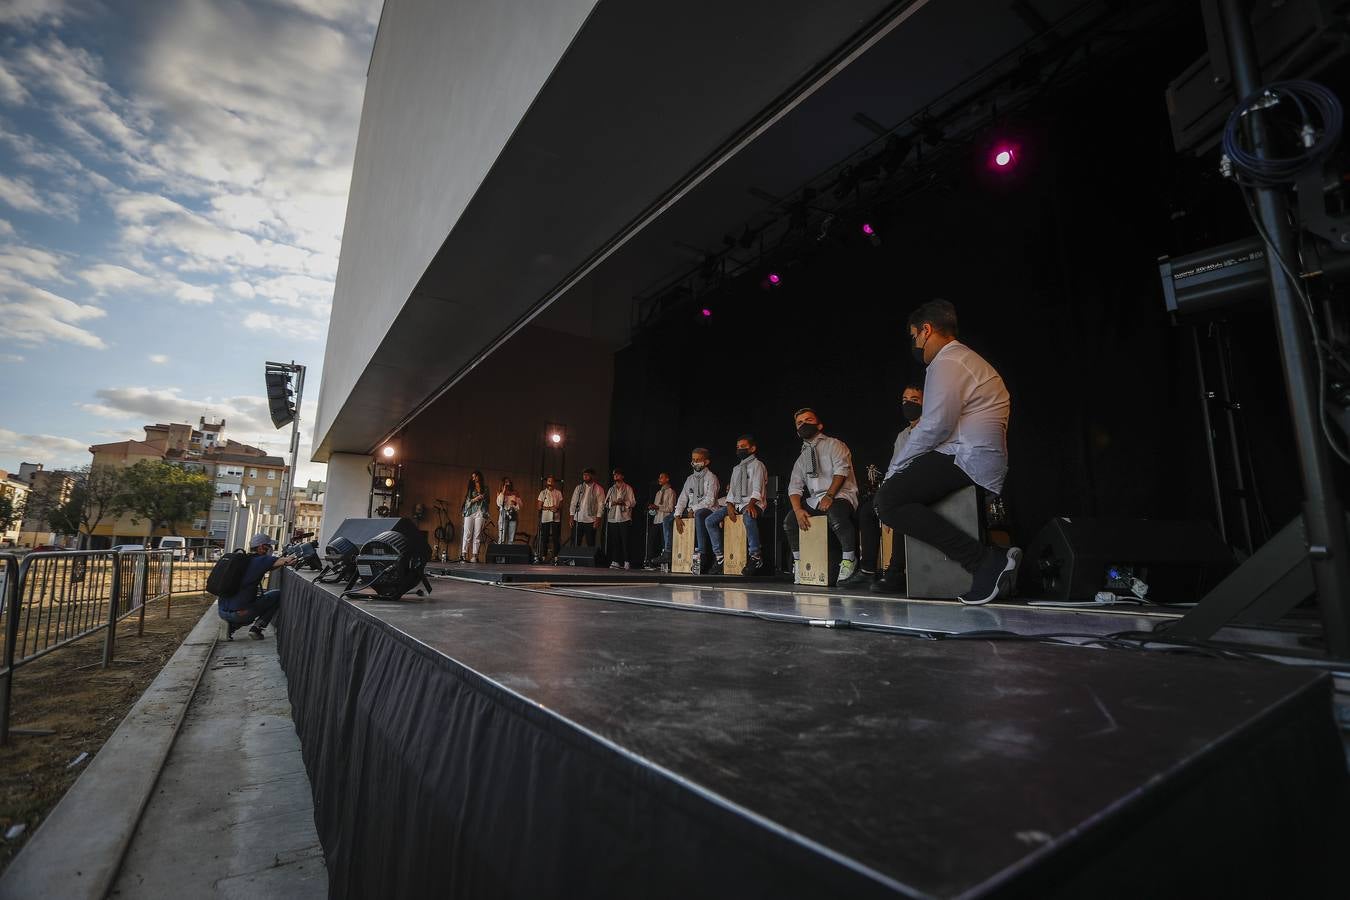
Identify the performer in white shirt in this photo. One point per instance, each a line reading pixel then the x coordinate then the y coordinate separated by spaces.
pixel 508 512
pixel 746 496
pixel 960 440
pixel 869 526
pixel 475 515
pixel 698 499
pixel 823 484
pixel 588 508
pixel 662 511
pixel 549 506
pixel 619 503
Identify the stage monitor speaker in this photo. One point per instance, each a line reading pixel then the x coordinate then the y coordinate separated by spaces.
pixel 360 531
pixel 509 554
pixel 579 555
pixel 1073 558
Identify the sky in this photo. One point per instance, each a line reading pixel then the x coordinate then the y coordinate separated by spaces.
pixel 173 184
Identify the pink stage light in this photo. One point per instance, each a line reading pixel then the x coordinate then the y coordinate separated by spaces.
pixel 707 313
pixel 1003 158
pixel 868 230
pixel 774 278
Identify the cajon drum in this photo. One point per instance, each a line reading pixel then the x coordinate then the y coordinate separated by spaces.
pixel 734 545
pixel 927 572
pixel 814 565
pixel 887 547
pixel 682 546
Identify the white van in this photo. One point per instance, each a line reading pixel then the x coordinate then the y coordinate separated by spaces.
pixel 177 544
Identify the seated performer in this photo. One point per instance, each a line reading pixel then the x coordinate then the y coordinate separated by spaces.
pixel 745 494
pixel 661 510
pixel 869 526
pixel 619 503
pixel 823 484
pixel 549 506
pixel 698 498
pixel 960 440
pixel 588 507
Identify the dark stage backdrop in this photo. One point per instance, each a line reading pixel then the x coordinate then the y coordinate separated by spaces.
pixel 1054 275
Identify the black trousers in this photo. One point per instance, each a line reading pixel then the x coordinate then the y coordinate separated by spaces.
pixel 869 534
pixel 616 542
pixel 548 534
pixel 585 534
pixel 903 503
pixel 840 517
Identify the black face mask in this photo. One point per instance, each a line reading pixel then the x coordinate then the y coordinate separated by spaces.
pixel 742 453
pixel 911 410
pixel 807 430
pixel 917 350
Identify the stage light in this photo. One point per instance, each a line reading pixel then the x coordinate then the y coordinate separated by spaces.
pixel 871 234
pixel 387 452
pixel 1003 157
pixel 868 230
pixel 389 482
pixel 707 313
pixel 775 278
pixel 555 438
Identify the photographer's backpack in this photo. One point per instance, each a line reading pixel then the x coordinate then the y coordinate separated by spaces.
pixel 227 574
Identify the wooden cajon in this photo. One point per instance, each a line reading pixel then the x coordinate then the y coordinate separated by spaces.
pixel 813 567
pixel 927 572
pixel 682 546
pixel 887 548
pixel 734 552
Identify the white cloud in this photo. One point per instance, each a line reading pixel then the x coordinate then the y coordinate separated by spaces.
pixel 31 315
pixel 246 416
pixel 19 194
pixel 10 358
pixel 194 293
pixel 296 327
pixel 11 90
pixel 6 229
pixel 158 359
pixel 51 450
pixel 107 277
pixel 29 262
pixel 30 12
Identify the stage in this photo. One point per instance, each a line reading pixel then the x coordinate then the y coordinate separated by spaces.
pixel 627 739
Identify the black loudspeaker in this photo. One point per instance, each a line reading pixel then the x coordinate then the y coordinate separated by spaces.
pixel 578 555
pixel 360 532
pixel 509 554
pixel 1074 558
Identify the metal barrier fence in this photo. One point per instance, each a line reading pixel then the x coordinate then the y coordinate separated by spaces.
pixel 51 600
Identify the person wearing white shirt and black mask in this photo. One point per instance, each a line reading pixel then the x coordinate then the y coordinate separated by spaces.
pixel 823 484
pixel 698 499
pixel 619 503
pixel 588 507
pixel 549 506
pixel 960 440
pixel 869 526
pixel 745 496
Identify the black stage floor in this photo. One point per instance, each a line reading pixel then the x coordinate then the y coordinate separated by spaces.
pixel 619 745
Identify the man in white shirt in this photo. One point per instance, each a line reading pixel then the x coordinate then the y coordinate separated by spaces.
pixel 588 507
pixel 823 484
pixel 549 505
pixel 619 503
pixel 698 499
pixel 662 511
pixel 745 495
pixel 961 440
pixel 869 526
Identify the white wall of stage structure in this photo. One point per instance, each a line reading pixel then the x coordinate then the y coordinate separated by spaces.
pixel 348 494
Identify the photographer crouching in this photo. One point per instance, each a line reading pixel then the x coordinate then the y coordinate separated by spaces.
pixel 250 604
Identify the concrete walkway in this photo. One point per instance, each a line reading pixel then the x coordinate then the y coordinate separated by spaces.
pixel 232 814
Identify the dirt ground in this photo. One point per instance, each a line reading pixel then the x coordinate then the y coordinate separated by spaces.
pixel 69 693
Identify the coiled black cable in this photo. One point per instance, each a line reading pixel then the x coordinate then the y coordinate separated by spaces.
pixel 1307 97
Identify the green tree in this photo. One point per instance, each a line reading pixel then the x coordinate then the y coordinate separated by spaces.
pixel 163 495
pixel 96 493
pixel 9 513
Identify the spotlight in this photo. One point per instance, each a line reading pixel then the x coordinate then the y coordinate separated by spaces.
pixel 1003 157
pixel 775 278
pixel 868 230
pixel 389 482
pixel 555 438
pixel 871 234
pixel 387 452
pixel 707 313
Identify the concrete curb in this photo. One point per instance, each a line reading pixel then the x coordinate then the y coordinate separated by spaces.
pixel 78 849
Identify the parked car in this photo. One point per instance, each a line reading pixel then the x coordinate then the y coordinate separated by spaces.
pixel 177 544
pixel 46 548
pixel 128 548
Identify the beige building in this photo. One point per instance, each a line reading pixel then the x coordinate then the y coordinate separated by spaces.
pixel 16 491
pixel 309 508
pixel 34 530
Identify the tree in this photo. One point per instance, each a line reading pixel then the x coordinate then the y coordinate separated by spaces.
pixel 8 511
pixel 95 493
pixel 162 494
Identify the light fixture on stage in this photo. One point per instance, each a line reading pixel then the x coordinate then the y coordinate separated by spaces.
pixel 1004 157
pixel 387 451
pixel 870 232
pixel 555 439
pixel 390 564
pixel 707 313
pixel 340 558
pixel 775 278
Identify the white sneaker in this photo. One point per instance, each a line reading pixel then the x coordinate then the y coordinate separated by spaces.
pixel 848 569
pixel 795 563
pixel 614 565
pixel 627 566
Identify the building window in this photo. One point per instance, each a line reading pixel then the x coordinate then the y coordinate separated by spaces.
pixel 268 492
pixel 271 474
pixel 199 524
pixel 267 511
pixel 252 473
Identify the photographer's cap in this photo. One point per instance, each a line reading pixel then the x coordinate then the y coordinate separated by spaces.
pixel 260 540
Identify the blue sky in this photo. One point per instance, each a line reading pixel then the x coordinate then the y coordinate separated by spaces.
pixel 173 182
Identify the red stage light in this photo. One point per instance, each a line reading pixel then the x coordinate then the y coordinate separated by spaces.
pixel 1003 157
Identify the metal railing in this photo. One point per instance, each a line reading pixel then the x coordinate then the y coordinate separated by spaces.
pixel 53 599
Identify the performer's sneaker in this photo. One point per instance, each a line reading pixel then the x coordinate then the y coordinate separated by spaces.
pixel 993 577
pixel 753 566
pixel 716 567
pixel 890 582
pixel 256 633
pixel 848 573
pixel 614 565
pixel 695 565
